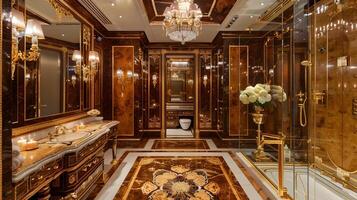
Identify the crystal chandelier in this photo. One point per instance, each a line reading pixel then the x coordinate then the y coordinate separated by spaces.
pixel 182 21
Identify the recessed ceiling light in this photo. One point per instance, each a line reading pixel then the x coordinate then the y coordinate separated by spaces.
pixel 113 4
pixel 262 3
pixel 62 34
pixel 120 16
pixel 251 16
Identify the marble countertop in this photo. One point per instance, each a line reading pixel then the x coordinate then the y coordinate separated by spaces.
pixel 46 153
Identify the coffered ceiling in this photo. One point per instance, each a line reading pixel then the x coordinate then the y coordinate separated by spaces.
pixel 146 15
pixel 214 11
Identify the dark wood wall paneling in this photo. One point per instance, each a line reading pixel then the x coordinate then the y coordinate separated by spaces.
pixel 223 40
pixel 7 102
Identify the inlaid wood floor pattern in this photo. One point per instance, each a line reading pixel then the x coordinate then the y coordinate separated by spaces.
pixel 176 169
pixel 180 144
pixel 180 178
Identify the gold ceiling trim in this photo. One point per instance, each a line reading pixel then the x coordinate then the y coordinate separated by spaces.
pixel 60 10
pixel 276 9
pixel 208 15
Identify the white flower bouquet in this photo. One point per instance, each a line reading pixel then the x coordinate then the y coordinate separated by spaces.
pixel 262 94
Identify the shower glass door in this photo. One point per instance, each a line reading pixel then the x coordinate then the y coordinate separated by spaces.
pixel 333 96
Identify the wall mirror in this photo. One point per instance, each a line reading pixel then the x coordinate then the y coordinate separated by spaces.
pixel 54 78
pixel 180 78
pixel 47 59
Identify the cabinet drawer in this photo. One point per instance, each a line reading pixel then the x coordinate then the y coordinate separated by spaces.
pixel 47 172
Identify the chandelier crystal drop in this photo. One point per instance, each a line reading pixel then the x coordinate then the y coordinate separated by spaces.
pixel 182 21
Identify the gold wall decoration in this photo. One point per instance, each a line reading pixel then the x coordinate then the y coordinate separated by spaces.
pixel 60 10
pixel 86 34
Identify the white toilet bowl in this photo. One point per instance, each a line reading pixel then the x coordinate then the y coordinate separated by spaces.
pixel 185 123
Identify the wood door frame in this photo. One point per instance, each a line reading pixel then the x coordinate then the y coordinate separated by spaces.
pixel 195 53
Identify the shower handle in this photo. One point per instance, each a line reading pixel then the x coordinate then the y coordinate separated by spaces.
pixel 302 108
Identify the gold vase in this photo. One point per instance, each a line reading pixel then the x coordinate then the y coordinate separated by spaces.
pixel 258 117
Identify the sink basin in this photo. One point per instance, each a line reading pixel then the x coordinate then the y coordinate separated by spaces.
pixel 70 137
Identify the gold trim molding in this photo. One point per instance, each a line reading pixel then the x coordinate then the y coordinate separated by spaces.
pixel 60 10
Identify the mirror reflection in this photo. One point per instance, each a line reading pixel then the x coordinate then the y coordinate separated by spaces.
pixel 180 76
pixel 53 60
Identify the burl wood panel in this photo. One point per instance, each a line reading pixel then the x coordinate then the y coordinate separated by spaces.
pixel 123 98
pixel 238 66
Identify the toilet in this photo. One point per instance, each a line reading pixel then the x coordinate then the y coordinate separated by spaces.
pixel 185 123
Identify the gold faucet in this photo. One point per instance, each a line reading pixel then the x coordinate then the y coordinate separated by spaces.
pixel 280 141
pixel 59 130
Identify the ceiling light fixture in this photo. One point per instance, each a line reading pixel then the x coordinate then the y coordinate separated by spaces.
pixel 182 21
pixel 231 22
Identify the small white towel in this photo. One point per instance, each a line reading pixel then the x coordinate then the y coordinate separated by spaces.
pixel 17 158
pixel 15 150
pixel 17 162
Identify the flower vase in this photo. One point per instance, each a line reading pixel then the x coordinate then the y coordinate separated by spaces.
pixel 258 119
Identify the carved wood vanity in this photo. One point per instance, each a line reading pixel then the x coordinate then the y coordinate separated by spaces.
pixel 62 171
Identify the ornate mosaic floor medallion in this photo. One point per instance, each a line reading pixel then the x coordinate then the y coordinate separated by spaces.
pixel 180 178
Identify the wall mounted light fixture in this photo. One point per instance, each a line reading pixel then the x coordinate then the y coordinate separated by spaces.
pixel 34 31
pixel 154 80
pixel 77 57
pixel 125 78
pixel 87 70
pixel 18 25
pixel 205 80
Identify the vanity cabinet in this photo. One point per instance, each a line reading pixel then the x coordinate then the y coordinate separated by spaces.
pixel 72 173
pixel 79 169
pixel 174 116
pixel 26 187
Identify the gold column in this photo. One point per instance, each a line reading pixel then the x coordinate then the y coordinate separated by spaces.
pixel 197 77
pixel 163 95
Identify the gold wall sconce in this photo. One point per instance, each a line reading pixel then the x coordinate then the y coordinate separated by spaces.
pixel 18 25
pixel 77 57
pixel 125 78
pixel 34 31
pixel 92 68
pixel 74 80
pixel 31 29
pixel 87 70
pixel 205 80
pixel 154 80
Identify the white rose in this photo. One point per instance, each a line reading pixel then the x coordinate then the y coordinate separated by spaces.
pixel 244 98
pixel 257 89
pixel 284 97
pixel 252 98
pixel 267 87
pixel 268 98
pixel 263 93
pixel 261 100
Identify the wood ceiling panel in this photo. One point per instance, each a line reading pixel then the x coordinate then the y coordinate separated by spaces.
pixel 214 11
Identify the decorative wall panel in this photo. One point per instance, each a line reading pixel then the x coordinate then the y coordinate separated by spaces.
pixel 238 80
pixel 154 83
pixel 123 89
pixel 205 90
